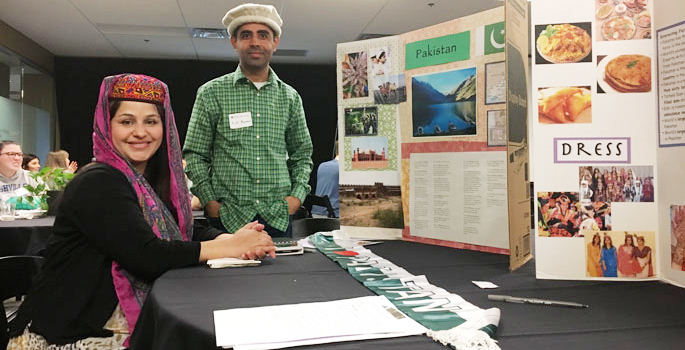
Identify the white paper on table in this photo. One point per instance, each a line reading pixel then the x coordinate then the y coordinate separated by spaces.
pixel 231 262
pixel 273 327
pixel 485 284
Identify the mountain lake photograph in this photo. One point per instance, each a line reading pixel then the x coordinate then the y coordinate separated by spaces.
pixel 444 103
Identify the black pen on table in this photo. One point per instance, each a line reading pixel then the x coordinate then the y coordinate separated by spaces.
pixel 520 300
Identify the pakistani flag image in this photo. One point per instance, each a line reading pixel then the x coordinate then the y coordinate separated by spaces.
pixel 490 39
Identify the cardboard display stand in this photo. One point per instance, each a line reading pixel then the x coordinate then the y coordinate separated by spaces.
pixel 433 130
pixel 608 205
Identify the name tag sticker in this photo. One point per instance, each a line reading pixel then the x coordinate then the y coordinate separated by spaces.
pixel 240 120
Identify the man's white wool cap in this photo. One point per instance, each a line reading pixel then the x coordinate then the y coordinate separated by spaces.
pixel 253 13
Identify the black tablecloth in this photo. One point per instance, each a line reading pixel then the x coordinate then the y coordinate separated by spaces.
pixel 631 315
pixel 25 237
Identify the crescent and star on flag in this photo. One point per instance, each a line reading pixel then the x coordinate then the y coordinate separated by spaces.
pixel 493 42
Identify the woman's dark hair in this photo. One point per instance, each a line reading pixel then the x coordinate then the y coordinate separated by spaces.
pixel 157 169
pixel 28 157
pixel 604 242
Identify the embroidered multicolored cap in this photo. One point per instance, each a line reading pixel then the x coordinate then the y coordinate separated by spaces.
pixel 138 87
pixel 253 13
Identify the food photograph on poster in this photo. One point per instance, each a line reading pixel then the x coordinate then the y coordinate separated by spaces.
pixel 361 121
pixel 444 103
pixel 355 75
pixel 620 254
pixel 371 204
pixel 380 61
pixel 678 237
pixel 623 20
pixel 624 73
pixel 369 152
pixel 563 43
pixel 389 89
pixel 565 105
pixel 617 184
pixel 565 214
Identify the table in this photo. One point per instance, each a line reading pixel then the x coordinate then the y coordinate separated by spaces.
pixel 634 315
pixel 25 237
pixel 30 237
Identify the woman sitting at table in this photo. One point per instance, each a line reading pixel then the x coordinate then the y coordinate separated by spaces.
pixel 60 159
pixel 31 163
pixel 123 222
pixel 12 177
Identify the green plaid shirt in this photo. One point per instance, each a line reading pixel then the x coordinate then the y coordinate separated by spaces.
pixel 250 170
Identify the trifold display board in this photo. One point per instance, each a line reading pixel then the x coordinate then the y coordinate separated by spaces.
pixel 433 134
pixel 608 159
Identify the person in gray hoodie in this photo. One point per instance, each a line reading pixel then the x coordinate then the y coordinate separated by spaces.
pixel 12 177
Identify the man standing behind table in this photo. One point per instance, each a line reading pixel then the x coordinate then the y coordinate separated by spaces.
pixel 248 147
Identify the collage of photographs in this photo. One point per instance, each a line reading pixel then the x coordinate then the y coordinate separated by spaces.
pixel 566 214
pixel 560 43
pixel 368 74
pixel 620 69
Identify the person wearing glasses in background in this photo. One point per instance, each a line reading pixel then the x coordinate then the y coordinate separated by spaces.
pixel 12 177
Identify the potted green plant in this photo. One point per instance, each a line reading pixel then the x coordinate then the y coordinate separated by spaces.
pixel 52 182
pixel 35 200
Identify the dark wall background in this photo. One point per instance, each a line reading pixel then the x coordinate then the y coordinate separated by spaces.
pixel 78 83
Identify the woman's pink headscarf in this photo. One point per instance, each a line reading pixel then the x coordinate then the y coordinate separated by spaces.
pixel 130 290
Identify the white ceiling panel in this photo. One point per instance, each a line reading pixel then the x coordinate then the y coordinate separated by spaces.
pixel 214 49
pixel 57 26
pixel 401 16
pixel 208 13
pixel 162 13
pixel 136 46
pixel 105 28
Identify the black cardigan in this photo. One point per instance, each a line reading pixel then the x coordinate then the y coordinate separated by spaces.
pixel 99 220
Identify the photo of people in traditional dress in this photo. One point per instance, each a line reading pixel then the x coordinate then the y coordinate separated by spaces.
pixel 563 214
pixel 380 61
pixel 389 89
pixel 444 103
pixel 371 204
pixel 369 152
pixel 617 184
pixel 355 75
pixel 620 254
pixel 361 121
pixel 678 237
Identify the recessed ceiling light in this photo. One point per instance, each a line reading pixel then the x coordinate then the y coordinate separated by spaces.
pixel 209 33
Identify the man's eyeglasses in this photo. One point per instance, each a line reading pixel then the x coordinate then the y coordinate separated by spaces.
pixel 12 154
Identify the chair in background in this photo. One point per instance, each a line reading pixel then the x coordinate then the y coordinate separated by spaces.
pixel 307 226
pixel 312 200
pixel 16 276
pixel 303 222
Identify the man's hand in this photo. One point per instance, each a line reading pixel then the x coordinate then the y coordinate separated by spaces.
pixel 293 204
pixel 212 209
